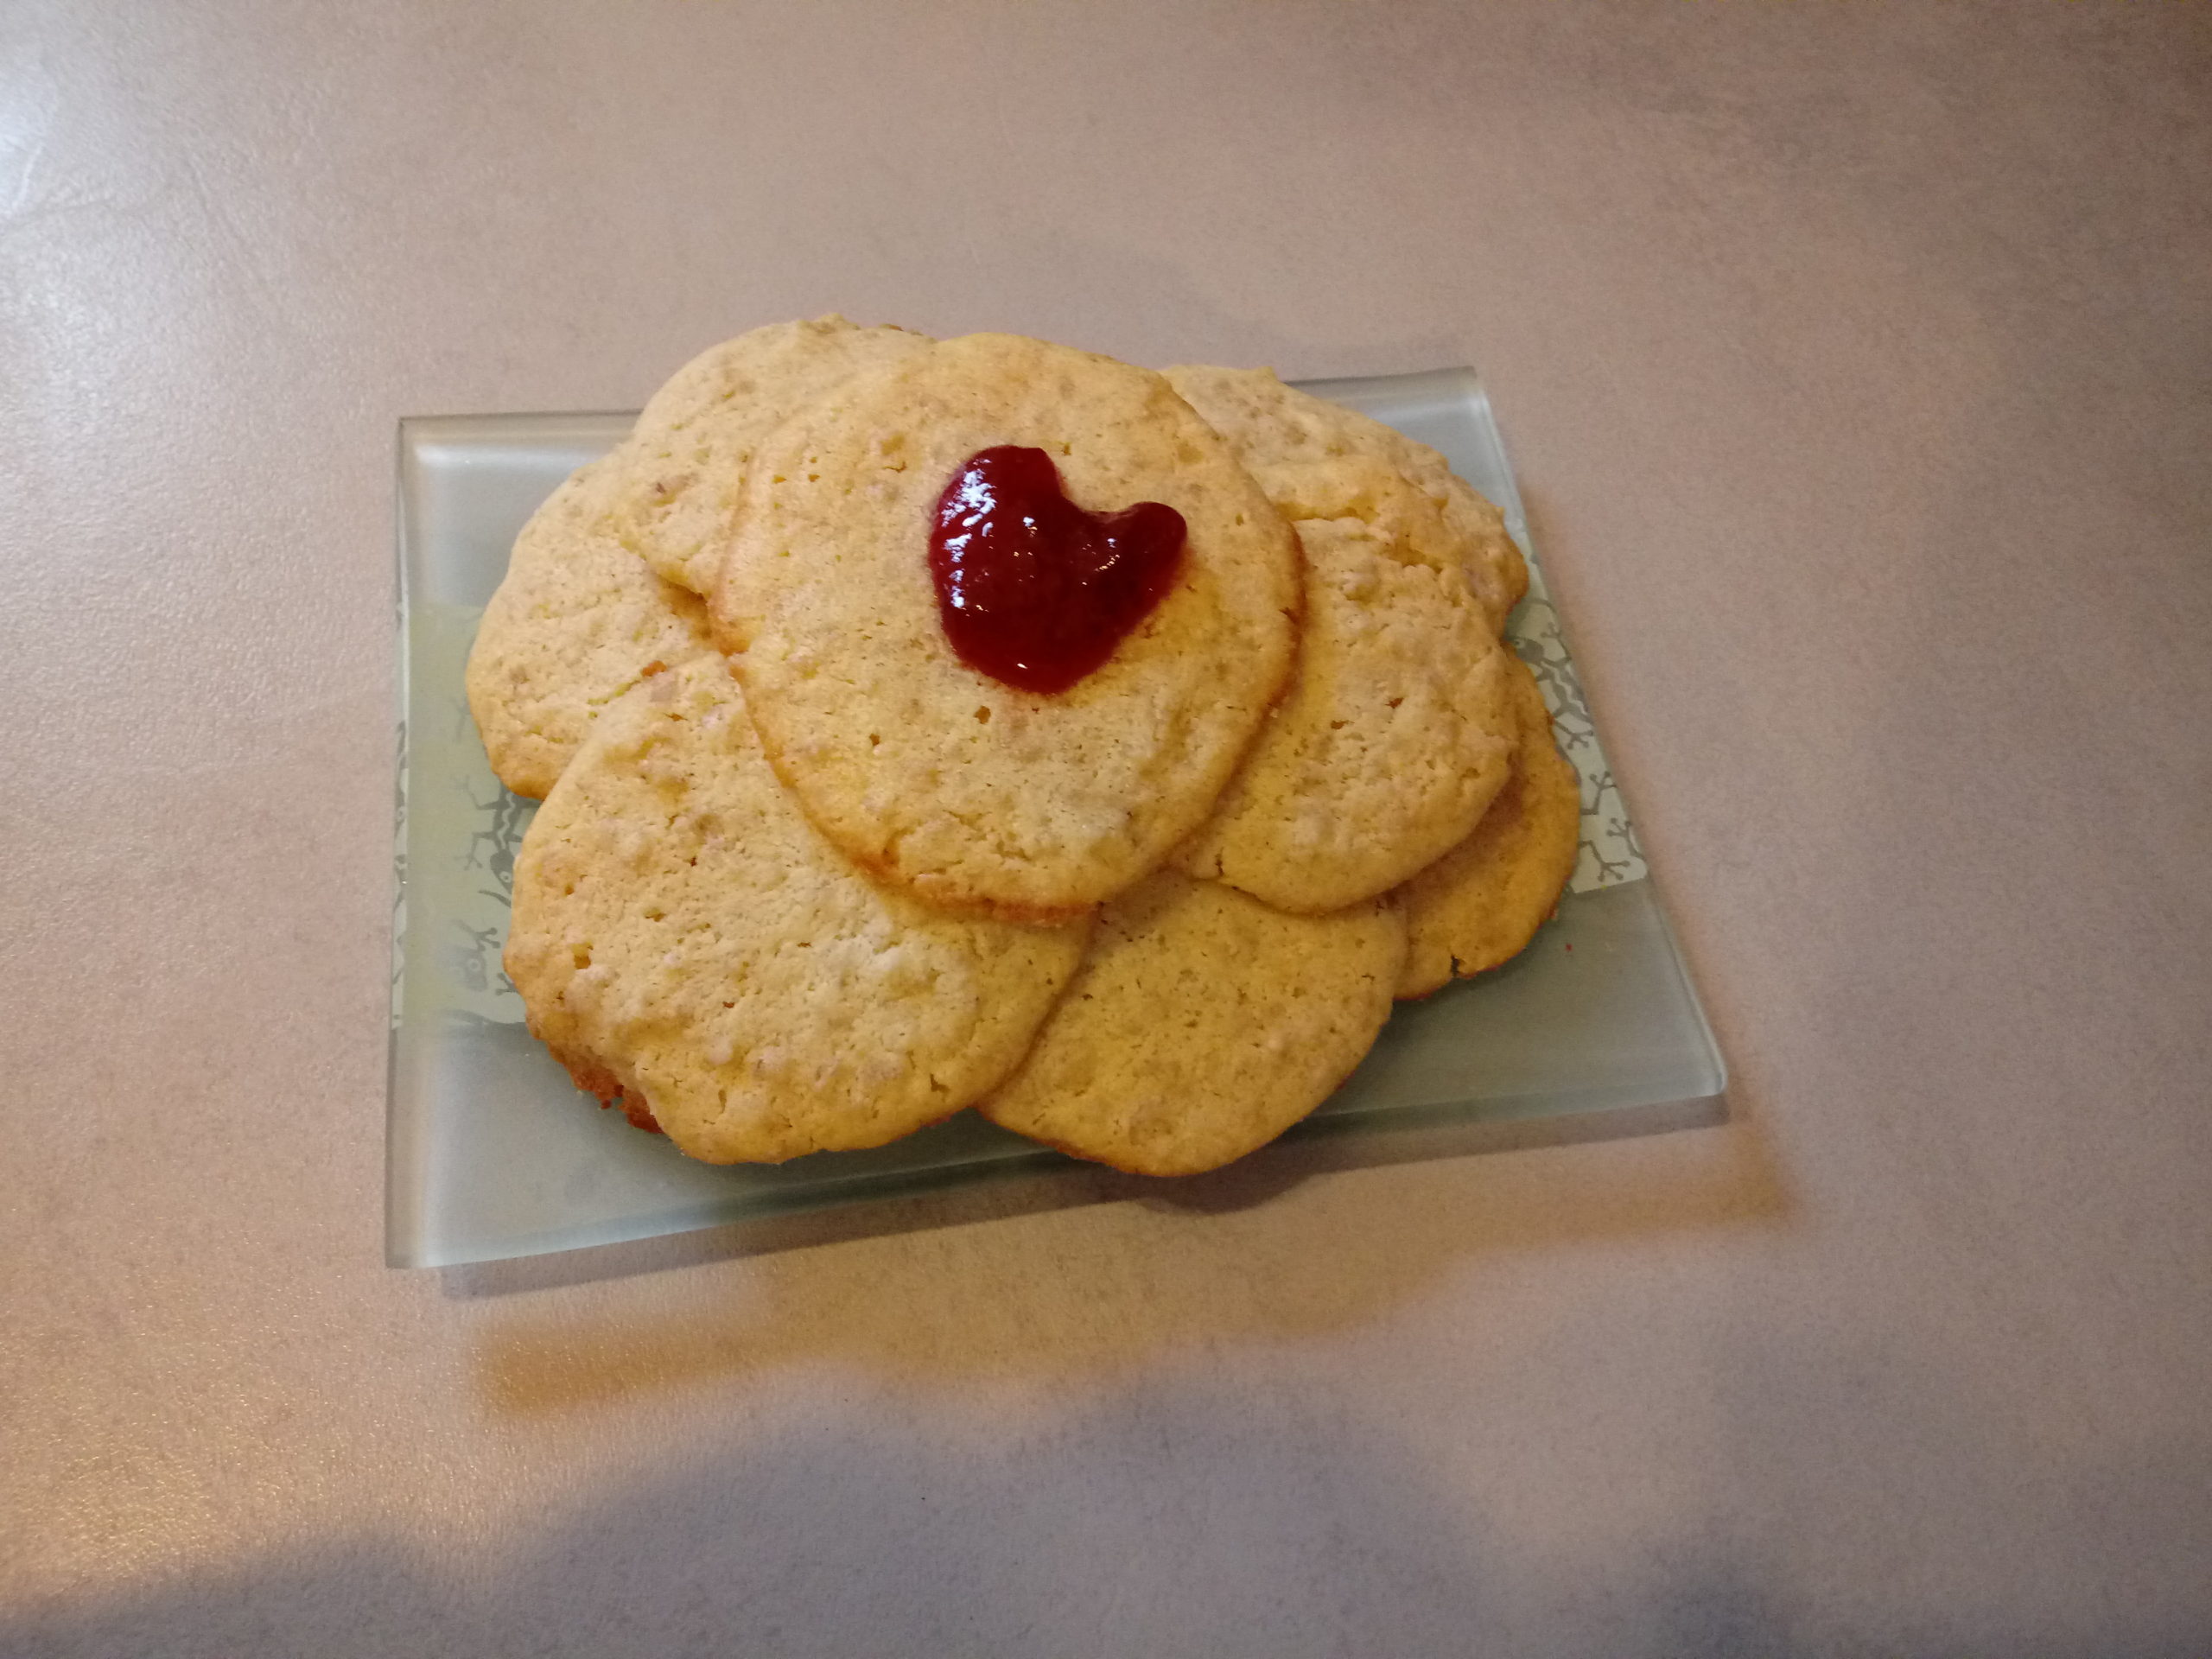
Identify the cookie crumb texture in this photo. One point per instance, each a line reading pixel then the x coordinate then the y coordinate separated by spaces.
pixel 933 776
pixel 680 928
pixel 1203 1025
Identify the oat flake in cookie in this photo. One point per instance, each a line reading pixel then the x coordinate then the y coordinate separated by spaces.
pixel 933 775
pixel 680 930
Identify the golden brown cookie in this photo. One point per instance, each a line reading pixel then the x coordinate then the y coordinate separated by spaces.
pixel 685 464
pixel 577 621
pixel 932 775
pixel 1482 902
pixel 1202 1026
pixel 1293 443
pixel 680 930
pixel 1396 732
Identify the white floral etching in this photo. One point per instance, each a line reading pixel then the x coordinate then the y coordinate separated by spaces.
pixel 1611 854
pixel 458 833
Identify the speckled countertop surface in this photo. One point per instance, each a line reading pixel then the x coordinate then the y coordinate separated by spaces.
pixel 1855 361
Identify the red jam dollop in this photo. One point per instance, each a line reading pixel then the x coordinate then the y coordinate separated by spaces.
pixel 1033 590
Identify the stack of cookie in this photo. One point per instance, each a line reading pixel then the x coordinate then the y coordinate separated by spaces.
pixel 833 847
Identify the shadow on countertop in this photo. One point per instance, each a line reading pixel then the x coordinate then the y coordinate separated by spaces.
pixel 1170 1520
pixel 1179 1269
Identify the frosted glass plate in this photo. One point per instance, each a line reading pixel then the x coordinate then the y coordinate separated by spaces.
pixel 492 1153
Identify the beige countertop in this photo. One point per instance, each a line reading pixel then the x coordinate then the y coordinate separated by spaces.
pixel 1857 364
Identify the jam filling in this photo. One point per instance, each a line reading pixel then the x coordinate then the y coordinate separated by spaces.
pixel 1033 590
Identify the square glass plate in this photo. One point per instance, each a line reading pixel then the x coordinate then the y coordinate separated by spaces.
pixel 492 1153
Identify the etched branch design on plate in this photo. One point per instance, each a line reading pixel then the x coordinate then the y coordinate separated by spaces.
pixel 1611 854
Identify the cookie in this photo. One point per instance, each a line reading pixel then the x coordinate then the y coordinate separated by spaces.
pixel 680 930
pixel 1397 733
pixel 1202 1026
pixel 1293 443
pixel 694 440
pixel 1482 902
pixel 931 774
pixel 577 621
